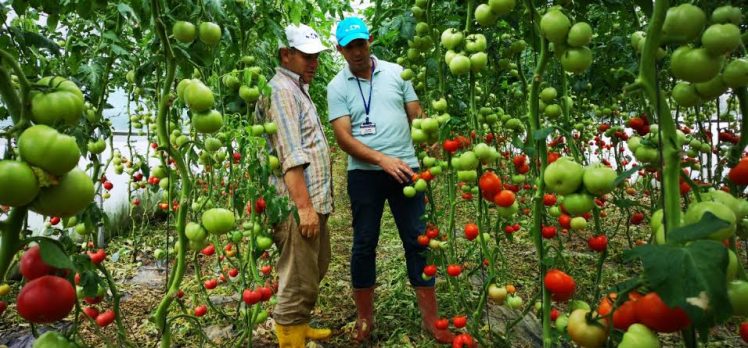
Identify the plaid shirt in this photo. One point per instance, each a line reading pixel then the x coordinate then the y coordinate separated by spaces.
pixel 300 140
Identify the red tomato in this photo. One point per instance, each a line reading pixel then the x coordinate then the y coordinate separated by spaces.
pixel 548 232
pixel 423 240
pixel 655 314
pixel 454 270
pixel 565 221
pixel 459 321
pixel 743 331
pixel 108 185
pixel 46 299
pixel 426 175
pixel 519 160
pixel 554 314
pixel 505 198
pixel 523 169
pixel 180 293
pixel 429 270
pixel 442 324
pixel 91 312
pixel 251 297
pixel 97 257
pixel 471 231
pixel 739 174
pixel 598 243
pixel 559 284
pixel 450 145
pixel 553 156
pixel 201 310
pixel 210 283
pixel 208 250
pixel 54 220
pixel 432 232
pixel 266 269
pixel 260 205
pixel 637 218
pixel 233 272
pixel 549 199
pixel 105 318
pixel 489 184
pixel 463 340
pixel 3 306
pixel 32 266
pixel 266 292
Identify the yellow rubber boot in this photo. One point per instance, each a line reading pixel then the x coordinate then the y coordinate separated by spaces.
pixel 291 336
pixel 317 334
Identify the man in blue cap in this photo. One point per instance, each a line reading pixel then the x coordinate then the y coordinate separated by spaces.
pixel 371 108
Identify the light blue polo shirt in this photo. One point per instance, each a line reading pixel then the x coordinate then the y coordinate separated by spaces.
pixel 387 111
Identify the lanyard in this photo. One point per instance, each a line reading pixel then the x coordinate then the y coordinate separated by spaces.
pixel 367 105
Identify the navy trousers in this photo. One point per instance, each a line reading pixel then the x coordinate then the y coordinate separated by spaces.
pixel 368 190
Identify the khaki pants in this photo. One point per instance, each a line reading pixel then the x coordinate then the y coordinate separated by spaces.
pixel 302 265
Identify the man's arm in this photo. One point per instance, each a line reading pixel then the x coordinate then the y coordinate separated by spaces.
pixel 308 219
pixel 395 167
pixel 413 109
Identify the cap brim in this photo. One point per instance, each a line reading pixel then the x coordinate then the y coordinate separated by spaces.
pixel 346 40
pixel 311 48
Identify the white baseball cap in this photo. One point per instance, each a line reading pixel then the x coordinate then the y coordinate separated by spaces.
pixel 304 39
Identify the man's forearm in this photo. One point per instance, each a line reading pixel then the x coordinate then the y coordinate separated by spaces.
pixel 294 179
pixel 356 148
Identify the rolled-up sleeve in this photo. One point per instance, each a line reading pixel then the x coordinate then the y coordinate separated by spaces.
pixel 284 110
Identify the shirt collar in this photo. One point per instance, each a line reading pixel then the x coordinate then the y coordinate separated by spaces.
pixel 377 68
pixel 296 78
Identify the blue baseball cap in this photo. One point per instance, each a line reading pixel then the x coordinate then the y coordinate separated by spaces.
pixel 350 29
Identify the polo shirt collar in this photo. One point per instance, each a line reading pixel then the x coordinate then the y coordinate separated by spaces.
pixel 349 75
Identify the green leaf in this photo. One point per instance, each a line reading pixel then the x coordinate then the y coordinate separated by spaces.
pixel 708 224
pixel 691 277
pixel 625 175
pixel 541 134
pixel 53 255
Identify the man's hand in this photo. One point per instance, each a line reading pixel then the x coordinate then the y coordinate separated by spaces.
pixel 308 222
pixel 396 168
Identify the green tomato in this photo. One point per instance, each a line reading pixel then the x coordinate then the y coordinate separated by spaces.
pixel 263 243
pixel 198 96
pixel 451 38
pixel 576 60
pixel 459 64
pixel 270 128
pixel 52 339
pixel 639 336
pixel 73 193
pixel 548 94
pixel 685 94
pixel 478 61
pixel 475 43
pixel 249 94
pixel 561 322
pixel 563 176
pixel 720 39
pixel 721 211
pixel 484 16
pixel 236 237
pixel 195 232
pixel 19 184
pixel 578 223
pixel 501 7
pixel 683 23
pixel 583 333
pixel 420 185
pixel 580 35
pixel 218 220
pixel 207 122
pixel 469 161
pixel 181 86
pixel 711 89
pixel 695 64
pixel 209 33
pixel 737 292
pixel 555 26
pixel 44 147
pixel 599 179
pixel 184 31
pixel 727 14
pixel 62 102
pixel 735 73
pixel 409 191
pixel 514 301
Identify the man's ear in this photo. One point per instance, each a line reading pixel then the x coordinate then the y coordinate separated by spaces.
pixel 371 38
pixel 339 48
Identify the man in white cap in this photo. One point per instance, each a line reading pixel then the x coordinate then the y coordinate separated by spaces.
pixel 302 149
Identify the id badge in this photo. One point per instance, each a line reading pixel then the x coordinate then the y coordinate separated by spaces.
pixel 368 128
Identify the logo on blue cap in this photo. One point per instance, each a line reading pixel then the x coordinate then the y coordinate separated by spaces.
pixel 350 29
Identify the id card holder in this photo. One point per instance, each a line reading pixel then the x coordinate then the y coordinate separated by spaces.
pixel 368 128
